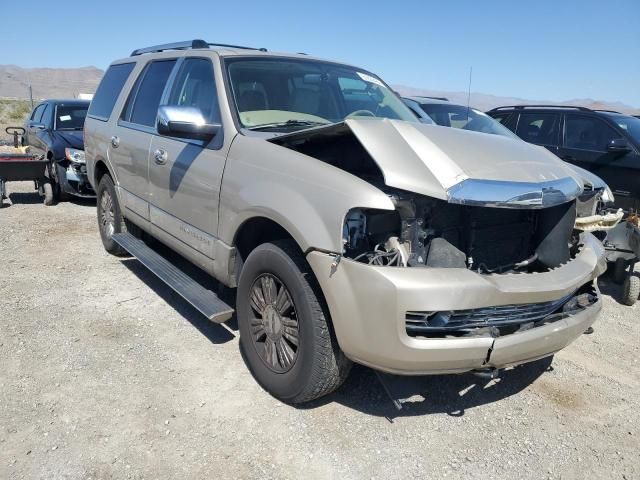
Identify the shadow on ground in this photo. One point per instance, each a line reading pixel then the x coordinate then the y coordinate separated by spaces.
pixel 33 198
pixel 426 395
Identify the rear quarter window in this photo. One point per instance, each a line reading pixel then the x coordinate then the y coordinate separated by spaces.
pixel 109 89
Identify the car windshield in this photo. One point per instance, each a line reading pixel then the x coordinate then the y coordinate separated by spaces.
pixel 631 125
pixel 459 116
pixel 70 117
pixel 286 94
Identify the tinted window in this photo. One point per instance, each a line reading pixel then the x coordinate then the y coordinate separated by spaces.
pixel 195 87
pixel 540 128
pixel 501 117
pixel 465 118
pixel 588 133
pixel 143 102
pixel 70 117
pixel 109 89
pixel 37 113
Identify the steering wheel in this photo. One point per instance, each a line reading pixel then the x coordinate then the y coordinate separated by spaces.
pixel 361 113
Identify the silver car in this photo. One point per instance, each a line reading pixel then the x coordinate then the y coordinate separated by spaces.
pixel 351 231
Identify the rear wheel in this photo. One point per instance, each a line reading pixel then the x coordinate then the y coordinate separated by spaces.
pixel 49 198
pixel 285 332
pixel 110 220
pixel 631 289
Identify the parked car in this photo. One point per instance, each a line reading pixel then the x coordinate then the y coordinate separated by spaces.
pixel 596 200
pixel 54 130
pixel 351 231
pixel 603 142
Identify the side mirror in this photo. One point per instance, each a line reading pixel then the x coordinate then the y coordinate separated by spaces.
pixel 185 122
pixel 618 145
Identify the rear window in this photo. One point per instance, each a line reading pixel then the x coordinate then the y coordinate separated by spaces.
pixel 109 89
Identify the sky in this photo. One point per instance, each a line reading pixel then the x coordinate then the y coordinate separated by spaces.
pixel 539 50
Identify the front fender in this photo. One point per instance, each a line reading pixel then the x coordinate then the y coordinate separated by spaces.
pixel 305 196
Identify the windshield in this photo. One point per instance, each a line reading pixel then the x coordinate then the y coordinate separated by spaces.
pixel 288 94
pixel 70 117
pixel 631 125
pixel 459 116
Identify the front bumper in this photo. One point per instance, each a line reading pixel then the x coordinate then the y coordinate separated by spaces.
pixel 369 304
pixel 74 180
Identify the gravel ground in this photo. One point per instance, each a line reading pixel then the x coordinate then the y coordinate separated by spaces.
pixel 105 373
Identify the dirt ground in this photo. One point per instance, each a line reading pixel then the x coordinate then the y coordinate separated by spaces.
pixel 105 373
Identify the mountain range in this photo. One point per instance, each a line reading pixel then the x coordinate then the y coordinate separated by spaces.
pixel 70 82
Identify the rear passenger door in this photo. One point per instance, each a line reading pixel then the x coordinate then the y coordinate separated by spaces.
pixel 541 128
pixel 185 175
pixel 129 148
pixel 586 139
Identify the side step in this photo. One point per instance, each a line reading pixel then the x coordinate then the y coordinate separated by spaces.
pixel 205 301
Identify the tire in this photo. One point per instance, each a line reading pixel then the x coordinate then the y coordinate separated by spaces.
pixel 49 198
pixel 59 194
pixel 316 364
pixel 110 218
pixel 631 289
pixel 619 270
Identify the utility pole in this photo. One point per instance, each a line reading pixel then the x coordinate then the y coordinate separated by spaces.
pixel 31 96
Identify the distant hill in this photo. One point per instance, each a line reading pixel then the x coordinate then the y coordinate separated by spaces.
pixel 48 82
pixel 69 82
pixel 484 102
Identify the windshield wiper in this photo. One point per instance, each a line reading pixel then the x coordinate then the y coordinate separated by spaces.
pixel 288 123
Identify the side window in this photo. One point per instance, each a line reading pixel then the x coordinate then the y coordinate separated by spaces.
pixel 46 116
pixel 37 113
pixel 501 117
pixel 109 89
pixel 540 128
pixel 195 86
pixel 144 99
pixel 588 133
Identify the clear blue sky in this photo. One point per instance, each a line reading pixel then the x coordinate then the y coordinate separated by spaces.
pixel 539 49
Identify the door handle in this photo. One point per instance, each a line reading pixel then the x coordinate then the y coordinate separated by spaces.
pixel 115 142
pixel 160 156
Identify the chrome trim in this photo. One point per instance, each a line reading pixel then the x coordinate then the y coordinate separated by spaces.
pixel 503 194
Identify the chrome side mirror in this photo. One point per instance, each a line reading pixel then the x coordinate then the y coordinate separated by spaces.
pixel 185 122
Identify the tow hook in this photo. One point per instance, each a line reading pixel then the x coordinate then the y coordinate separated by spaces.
pixel 487 373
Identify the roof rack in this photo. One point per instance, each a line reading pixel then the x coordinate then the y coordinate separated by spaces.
pixel 604 110
pixel 190 44
pixel 522 107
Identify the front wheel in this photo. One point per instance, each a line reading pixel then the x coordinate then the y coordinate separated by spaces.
pixel 110 220
pixel 631 289
pixel 285 332
pixel 49 198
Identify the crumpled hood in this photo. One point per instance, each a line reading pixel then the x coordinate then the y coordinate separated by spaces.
pixel 436 161
pixel 70 138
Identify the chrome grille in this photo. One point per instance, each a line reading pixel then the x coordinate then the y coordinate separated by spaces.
pixel 498 316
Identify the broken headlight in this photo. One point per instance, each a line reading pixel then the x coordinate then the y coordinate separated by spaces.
pixel 74 155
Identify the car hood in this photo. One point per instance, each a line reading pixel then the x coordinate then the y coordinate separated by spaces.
pixel 70 138
pixel 459 166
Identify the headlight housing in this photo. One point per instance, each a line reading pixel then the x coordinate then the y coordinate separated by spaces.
pixel 74 155
pixel 607 195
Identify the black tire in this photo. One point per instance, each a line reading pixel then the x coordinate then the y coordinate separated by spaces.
pixel 49 198
pixel 319 366
pixel 619 271
pixel 631 289
pixel 59 194
pixel 110 219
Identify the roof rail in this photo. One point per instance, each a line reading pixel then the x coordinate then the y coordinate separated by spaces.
pixel 186 46
pixel 522 107
pixel 604 110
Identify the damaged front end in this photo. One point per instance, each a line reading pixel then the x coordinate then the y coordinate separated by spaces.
pixel 478 264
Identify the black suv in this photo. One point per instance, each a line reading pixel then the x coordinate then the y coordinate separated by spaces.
pixel 604 142
pixel 54 130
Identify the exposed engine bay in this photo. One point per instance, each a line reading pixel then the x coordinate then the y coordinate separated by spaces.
pixel 430 232
pixel 426 232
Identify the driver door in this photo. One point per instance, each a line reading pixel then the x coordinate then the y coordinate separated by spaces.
pixel 185 175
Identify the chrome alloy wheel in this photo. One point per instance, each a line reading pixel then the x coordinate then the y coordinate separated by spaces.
pixel 273 323
pixel 107 215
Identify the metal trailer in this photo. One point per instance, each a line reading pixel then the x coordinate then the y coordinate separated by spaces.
pixel 622 245
pixel 16 166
